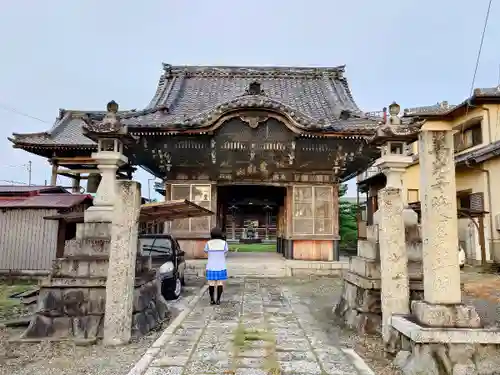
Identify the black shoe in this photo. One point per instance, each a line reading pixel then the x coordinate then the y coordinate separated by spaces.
pixel 217 303
pixel 212 302
pixel 219 293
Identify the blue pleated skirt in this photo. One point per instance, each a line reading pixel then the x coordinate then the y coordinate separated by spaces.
pixel 216 275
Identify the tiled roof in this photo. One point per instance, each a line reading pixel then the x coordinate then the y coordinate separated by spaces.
pixel 56 201
pixel 481 154
pixel 443 108
pixel 189 96
pixel 25 189
pixel 66 131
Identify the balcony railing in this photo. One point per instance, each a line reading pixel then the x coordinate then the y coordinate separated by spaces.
pixel 370 172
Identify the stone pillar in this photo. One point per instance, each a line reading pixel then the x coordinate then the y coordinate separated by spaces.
pixel 122 258
pixel 439 218
pixel 393 257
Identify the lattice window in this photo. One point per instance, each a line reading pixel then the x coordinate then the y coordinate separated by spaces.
pixel 313 210
pixel 201 194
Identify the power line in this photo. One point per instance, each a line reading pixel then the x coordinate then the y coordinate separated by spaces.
pixel 486 18
pixel 480 47
pixel 17 112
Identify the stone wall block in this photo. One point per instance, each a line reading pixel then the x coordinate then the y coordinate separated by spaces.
pixel 97 301
pixel 40 326
pixel 446 316
pixel 86 327
pixel 75 302
pixel 368 249
pixel 365 267
pixel 50 302
pixel 86 247
pixel 99 268
pixel 368 301
pixel 151 319
pixel 140 324
pixel 62 326
pixel 161 307
pixel 94 231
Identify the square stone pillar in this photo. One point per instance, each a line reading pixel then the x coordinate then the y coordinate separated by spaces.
pixel 122 258
pixel 393 257
pixel 439 217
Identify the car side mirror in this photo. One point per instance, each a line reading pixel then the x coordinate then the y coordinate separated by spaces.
pixel 181 253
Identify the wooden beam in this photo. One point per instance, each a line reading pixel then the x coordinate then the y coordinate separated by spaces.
pixel 74 172
pixel 74 160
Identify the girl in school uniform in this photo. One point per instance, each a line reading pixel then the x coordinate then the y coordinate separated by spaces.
pixel 216 249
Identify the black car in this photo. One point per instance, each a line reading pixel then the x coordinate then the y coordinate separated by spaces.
pixel 168 256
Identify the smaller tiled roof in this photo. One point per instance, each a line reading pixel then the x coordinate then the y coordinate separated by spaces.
pixel 443 108
pixel 480 155
pixel 66 132
pixel 55 201
pixel 25 189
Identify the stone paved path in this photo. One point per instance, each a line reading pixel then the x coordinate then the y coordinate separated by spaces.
pixel 260 328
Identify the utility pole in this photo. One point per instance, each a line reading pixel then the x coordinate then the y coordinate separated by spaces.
pixel 29 172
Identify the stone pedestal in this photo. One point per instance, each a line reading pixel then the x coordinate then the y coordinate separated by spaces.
pixel 108 164
pixel 72 299
pixel 360 304
pixel 445 340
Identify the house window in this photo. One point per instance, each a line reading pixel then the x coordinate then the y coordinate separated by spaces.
pixel 468 138
pixel 412 195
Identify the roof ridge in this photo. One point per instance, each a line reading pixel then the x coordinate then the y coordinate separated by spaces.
pixel 249 71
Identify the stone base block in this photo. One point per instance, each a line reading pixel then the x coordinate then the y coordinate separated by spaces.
pixel 78 313
pixel 359 306
pixel 445 316
pixel 368 249
pixel 93 231
pixel 98 214
pixel 370 268
pixel 445 351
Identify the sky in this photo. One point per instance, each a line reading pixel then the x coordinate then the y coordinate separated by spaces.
pixel 80 54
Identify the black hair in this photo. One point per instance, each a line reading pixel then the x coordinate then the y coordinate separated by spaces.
pixel 216 234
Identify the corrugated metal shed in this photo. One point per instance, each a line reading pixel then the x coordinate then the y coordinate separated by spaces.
pixel 28 242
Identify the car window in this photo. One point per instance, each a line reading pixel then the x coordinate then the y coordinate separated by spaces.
pixel 156 246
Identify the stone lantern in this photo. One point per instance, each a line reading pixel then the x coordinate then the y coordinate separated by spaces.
pixel 393 217
pixel 394 140
pixel 110 136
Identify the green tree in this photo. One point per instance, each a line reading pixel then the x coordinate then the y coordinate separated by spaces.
pixel 348 224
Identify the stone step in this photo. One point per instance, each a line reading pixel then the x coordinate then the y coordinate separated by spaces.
pixel 94 247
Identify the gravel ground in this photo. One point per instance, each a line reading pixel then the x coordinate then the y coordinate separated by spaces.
pixel 321 294
pixel 67 359
pixel 482 290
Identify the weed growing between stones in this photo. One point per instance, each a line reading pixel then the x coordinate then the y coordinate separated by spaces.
pixel 243 339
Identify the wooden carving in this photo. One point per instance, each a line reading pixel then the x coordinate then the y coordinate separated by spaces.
pixel 254 121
